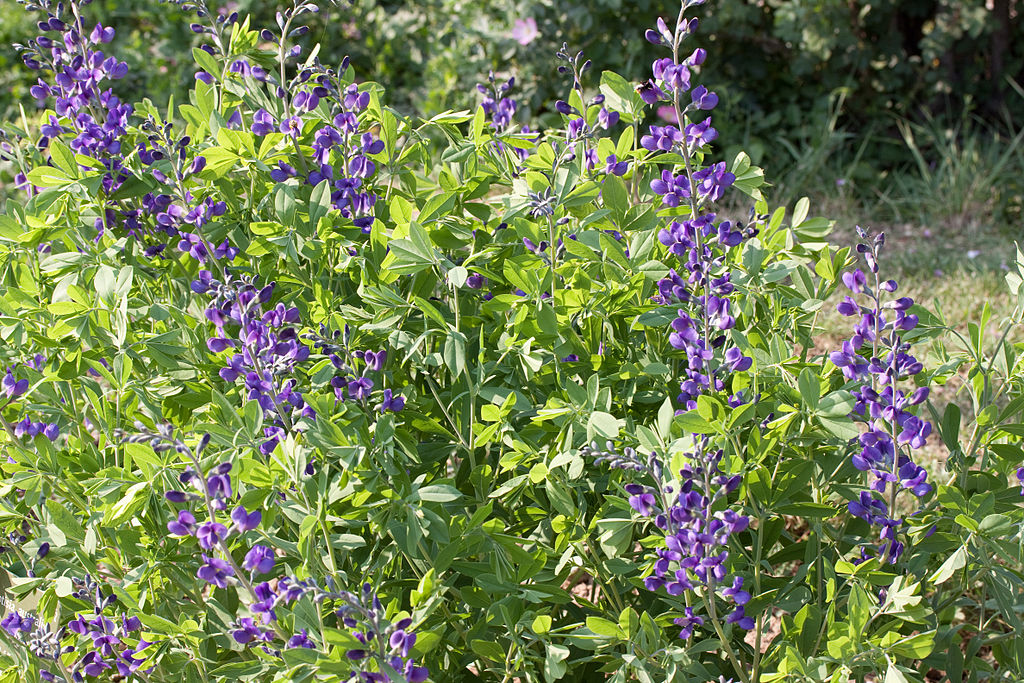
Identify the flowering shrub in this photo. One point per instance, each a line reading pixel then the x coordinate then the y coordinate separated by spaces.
pixel 287 396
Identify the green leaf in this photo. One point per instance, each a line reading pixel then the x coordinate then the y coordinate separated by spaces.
pixel 48 176
pixel 917 646
pixel 836 404
pixel 810 388
pixel 319 202
pixel 347 541
pixel 439 493
pixel 457 276
pixel 845 429
pixel 657 318
pixel 65 520
pixel 63 158
pixel 894 675
pixel 206 61
pixel 604 424
pixel 555 665
pixel 284 205
pixel 407 258
pixel 541 624
pixel 479 121
pixel 605 628
pixel 620 95
pixel 996 526
pixel 692 423
pixel 63 587
pixel 455 352
pixel 488 649
pixel 616 535
pixel 133 499
pixel 615 196
pixel 803 205
pixel 808 510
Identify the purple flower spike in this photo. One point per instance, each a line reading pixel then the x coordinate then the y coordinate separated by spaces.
pixel 883 406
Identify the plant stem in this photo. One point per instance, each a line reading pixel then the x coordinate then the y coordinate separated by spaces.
pixel 709 604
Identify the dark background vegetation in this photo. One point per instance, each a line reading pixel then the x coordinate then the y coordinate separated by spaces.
pixel 909 110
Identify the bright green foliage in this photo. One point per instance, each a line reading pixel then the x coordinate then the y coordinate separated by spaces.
pixel 473 510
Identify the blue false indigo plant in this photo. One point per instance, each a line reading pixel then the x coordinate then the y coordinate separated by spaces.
pixel 893 430
pixel 398 341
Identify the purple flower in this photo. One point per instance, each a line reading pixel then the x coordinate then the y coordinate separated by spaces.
pixel 855 281
pixel 650 93
pixel 674 189
pixel 607 118
pixel 673 76
pixel 259 559
pixel 642 500
pixel 184 525
pixel 215 571
pixel 246 630
pixel 739 618
pixel 14 623
pixel 359 388
pixel 210 534
pixel 401 642
pixel 391 402
pixel 218 485
pixel 292 126
pixel 615 167
pixel 246 521
pixel 13 388
pixel 375 361
pixel 736 361
pixel 848 307
pixel 283 172
pixel 101 34
pixel 301 639
pixel 736 592
pixel 703 99
pixel 700 134
pixel 883 406
pixel 713 181
pixel 262 123
pixel 688 623
pixel 661 139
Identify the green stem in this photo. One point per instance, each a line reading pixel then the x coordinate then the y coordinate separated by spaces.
pixel 709 604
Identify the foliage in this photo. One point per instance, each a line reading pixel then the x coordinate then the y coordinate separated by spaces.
pixel 294 394
pixel 781 63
